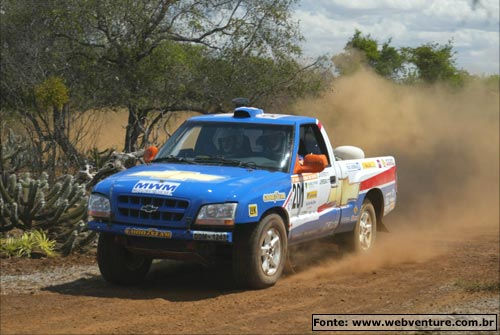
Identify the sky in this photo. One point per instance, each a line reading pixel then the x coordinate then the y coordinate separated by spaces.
pixel 473 25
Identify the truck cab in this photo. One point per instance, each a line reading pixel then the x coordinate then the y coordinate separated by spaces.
pixel 240 187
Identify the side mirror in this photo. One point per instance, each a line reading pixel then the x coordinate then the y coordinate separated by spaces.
pixel 312 164
pixel 150 154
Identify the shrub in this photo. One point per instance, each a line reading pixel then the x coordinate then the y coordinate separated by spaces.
pixel 27 245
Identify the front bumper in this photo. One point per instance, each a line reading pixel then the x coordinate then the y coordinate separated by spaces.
pixel 160 233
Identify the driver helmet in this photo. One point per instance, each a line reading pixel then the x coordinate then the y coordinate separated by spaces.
pixel 274 140
pixel 231 140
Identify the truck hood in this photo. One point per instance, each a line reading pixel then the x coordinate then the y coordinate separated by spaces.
pixel 208 182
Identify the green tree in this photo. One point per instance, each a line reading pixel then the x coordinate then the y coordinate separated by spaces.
pixel 150 52
pixel 435 62
pixel 364 50
pixel 154 56
pixel 427 63
pixel 35 78
pixel 390 62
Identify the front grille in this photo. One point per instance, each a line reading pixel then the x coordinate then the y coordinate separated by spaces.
pixel 150 210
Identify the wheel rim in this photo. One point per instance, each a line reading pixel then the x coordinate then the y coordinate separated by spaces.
pixel 270 252
pixel 365 231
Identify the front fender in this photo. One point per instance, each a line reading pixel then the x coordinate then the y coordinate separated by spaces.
pixel 259 199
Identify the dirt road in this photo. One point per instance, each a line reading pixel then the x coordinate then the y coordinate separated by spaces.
pixel 442 255
pixel 459 275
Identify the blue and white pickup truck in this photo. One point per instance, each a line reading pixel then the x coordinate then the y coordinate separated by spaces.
pixel 241 187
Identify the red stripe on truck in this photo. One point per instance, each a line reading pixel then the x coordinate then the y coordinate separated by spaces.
pixel 380 179
pixel 325 206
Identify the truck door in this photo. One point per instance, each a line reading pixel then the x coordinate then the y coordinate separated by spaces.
pixel 313 206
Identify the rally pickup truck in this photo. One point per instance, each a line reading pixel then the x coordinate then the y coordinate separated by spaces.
pixel 240 187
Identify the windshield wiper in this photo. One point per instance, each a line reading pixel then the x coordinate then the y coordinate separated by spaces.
pixel 225 161
pixel 171 158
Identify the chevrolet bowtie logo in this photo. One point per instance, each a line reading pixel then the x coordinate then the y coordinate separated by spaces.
pixel 149 208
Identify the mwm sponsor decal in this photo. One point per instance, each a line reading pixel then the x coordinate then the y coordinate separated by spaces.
pixel 155 187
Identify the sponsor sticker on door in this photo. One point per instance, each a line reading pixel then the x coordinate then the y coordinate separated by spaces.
pixel 367 165
pixel 312 195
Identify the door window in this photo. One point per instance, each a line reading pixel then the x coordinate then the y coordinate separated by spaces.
pixel 311 141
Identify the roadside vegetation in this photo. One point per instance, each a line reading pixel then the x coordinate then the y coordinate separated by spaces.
pixel 63 62
pixel 473 286
pixel 29 244
pixel 427 64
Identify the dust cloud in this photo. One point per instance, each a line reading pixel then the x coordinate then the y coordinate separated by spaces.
pixel 446 145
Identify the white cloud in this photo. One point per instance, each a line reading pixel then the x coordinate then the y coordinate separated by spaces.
pixel 473 26
pixel 378 4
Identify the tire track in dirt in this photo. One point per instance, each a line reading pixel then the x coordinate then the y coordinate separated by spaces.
pixel 190 299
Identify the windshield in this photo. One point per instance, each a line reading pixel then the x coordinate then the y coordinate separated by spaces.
pixel 248 145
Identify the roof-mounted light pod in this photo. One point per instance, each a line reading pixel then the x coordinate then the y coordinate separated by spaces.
pixel 244 112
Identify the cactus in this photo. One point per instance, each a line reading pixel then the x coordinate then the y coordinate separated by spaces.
pixel 15 150
pixel 78 239
pixel 60 210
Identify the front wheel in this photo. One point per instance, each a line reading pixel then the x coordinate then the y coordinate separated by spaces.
pixel 118 265
pixel 259 252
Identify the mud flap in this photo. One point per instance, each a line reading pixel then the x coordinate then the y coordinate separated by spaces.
pixel 382 227
pixel 289 266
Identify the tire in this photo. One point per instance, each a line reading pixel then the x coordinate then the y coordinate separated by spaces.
pixel 118 265
pixel 363 237
pixel 260 252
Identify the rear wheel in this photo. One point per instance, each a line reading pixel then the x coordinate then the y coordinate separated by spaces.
pixel 259 252
pixel 118 265
pixel 363 237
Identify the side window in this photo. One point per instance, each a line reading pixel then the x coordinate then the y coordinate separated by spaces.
pixel 311 141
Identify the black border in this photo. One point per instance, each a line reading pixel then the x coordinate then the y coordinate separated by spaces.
pixel 399 330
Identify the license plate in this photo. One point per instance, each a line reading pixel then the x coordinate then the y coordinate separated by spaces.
pixel 210 236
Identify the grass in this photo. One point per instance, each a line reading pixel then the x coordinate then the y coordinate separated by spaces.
pixel 27 245
pixel 478 286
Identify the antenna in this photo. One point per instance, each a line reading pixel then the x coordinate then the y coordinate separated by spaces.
pixel 240 102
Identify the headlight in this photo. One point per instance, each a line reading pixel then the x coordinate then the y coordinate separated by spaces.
pixel 217 214
pixel 99 206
